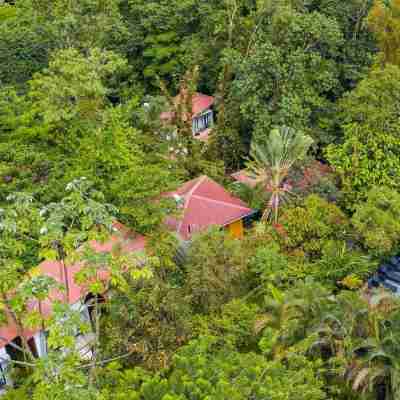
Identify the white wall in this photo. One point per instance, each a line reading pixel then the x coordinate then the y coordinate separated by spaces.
pixel 40 339
pixel 5 364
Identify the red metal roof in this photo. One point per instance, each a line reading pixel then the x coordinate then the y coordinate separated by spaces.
pixel 244 177
pixel 311 175
pixel 128 241
pixel 205 203
pixel 200 103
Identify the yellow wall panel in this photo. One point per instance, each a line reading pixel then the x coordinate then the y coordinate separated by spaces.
pixel 236 229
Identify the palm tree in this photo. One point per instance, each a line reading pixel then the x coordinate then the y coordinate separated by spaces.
pixel 272 160
pixel 291 314
pixel 375 366
pixel 361 333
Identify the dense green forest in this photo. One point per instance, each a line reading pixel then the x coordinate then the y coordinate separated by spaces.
pixel 307 100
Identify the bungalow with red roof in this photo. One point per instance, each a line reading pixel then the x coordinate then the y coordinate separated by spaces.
pixel 78 298
pixel 202 114
pixel 205 203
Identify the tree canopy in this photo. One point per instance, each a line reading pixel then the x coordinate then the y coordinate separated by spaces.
pixel 100 105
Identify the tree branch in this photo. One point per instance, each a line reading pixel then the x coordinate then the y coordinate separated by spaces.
pixel 107 360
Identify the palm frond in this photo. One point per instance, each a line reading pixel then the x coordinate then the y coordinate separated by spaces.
pixel 270 161
pixel 361 379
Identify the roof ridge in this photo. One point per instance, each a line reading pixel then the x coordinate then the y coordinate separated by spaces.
pixel 200 179
pixel 220 202
pixel 189 195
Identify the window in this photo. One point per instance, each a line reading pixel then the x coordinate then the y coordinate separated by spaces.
pixel 195 126
pixel 42 343
pixel 208 119
pixel 202 122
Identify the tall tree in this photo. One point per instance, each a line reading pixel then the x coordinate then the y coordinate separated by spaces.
pixel 359 47
pixel 80 216
pixel 384 22
pixel 67 127
pixel 290 78
pixel 159 30
pixel 359 333
pixel 272 161
pixel 40 27
pixel 369 154
pixel 19 254
pixel 376 220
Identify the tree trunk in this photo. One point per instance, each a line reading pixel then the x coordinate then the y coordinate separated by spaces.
pixel 20 330
pixel 96 339
pixel 65 271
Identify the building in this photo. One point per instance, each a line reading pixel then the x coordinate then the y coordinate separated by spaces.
pixel 202 202
pixel 202 114
pixel 205 203
pixel 79 300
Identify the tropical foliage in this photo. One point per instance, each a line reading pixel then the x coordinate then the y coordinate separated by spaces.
pixel 306 103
